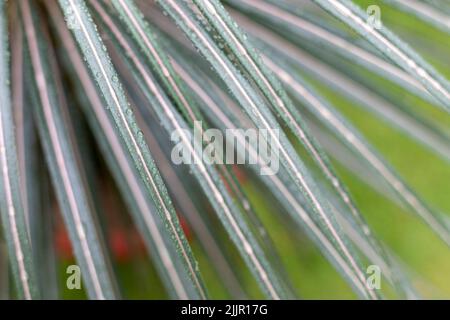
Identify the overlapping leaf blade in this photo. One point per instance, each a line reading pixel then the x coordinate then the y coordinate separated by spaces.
pixel 97 58
pixel 262 117
pixel 13 215
pixel 61 158
pixel 404 119
pixel 207 176
pixel 160 246
pixel 423 11
pixel 292 27
pixel 392 46
pixel 32 172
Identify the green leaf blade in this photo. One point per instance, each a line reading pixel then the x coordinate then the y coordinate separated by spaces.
pixel 107 79
pixel 393 47
pixel 13 215
pixel 262 117
pixel 65 173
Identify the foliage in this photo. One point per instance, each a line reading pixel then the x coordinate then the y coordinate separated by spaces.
pixel 93 91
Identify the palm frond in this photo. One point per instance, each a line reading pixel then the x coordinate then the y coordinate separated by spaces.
pixel 127 148
pixel 60 154
pixel 424 11
pixel 13 214
pixel 131 181
pixel 393 47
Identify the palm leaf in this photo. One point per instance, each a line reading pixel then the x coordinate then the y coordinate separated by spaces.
pixel 393 47
pixel 264 120
pixel 122 115
pixel 209 180
pixel 13 215
pixel 64 170
pixel 423 11
pixel 200 223
pixel 31 172
pixel 145 39
pixel 345 131
pixel 97 113
pixel 128 179
pixel 286 22
pixel 274 92
pixel 404 119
